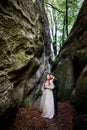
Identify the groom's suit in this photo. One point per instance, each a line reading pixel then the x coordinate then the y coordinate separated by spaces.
pixel 55 93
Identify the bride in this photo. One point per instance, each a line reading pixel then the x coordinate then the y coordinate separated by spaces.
pixel 47 99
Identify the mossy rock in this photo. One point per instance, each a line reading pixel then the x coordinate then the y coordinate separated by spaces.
pixel 64 73
pixel 64 94
pixel 72 97
pixel 81 91
pixel 23 33
pixel 80 123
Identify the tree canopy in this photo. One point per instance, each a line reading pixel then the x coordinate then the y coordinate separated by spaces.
pixel 61 15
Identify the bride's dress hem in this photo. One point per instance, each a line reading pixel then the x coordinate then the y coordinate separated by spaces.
pixel 47 117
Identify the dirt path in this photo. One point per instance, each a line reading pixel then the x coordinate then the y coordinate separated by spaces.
pixel 30 118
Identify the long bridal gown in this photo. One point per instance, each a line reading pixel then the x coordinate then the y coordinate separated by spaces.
pixel 47 101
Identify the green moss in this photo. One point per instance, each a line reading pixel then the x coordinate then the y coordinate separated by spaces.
pixel 81 93
pixel 64 94
pixel 65 77
pixel 30 99
pixel 38 94
pixel 25 102
pixel 80 123
pixel 72 97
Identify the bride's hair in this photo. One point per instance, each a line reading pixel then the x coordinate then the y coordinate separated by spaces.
pixel 46 77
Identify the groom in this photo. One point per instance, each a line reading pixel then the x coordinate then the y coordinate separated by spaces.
pixel 55 93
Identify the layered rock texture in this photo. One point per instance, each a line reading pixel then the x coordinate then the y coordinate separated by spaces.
pixel 71 63
pixel 24 44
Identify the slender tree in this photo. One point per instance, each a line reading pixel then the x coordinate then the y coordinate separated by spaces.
pixel 55 33
pixel 63 32
pixel 61 16
pixel 67 2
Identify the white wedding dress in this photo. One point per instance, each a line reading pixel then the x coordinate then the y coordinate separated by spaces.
pixel 47 101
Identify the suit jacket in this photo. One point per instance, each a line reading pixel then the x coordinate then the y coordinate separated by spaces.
pixel 55 94
pixel 55 82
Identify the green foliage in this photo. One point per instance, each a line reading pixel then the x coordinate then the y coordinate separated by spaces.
pixel 59 7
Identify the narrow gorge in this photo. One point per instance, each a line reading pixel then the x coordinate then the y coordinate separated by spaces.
pixel 25 53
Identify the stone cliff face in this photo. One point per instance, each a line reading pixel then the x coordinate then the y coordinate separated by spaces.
pixel 24 43
pixel 71 63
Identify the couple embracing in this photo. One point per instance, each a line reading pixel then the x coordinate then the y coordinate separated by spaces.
pixel 48 105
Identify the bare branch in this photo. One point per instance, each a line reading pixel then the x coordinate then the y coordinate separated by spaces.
pixel 60 11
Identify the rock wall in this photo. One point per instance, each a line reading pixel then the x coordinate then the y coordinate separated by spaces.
pixel 70 66
pixel 24 43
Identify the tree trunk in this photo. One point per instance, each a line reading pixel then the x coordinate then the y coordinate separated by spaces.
pixel 55 33
pixel 67 18
pixel 63 32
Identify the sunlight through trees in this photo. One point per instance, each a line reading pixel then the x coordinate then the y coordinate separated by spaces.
pixel 61 15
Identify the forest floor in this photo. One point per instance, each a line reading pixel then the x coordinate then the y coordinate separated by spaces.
pixel 30 118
